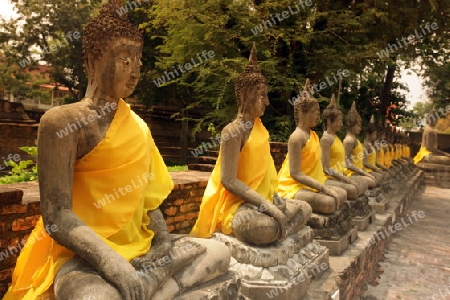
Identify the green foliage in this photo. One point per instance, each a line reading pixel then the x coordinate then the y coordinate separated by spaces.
pixel 21 171
pixel 177 168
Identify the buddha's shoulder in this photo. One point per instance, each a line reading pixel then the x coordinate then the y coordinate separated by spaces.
pixel 59 116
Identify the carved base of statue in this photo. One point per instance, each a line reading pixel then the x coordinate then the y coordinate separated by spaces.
pixel 284 269
pixel 377 201
pixel 335 231
pixel 436 174
pixel 361 212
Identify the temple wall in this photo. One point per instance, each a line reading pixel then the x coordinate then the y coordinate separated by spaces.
pixel 13 136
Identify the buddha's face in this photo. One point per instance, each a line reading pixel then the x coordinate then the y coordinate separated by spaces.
pixel 117 71
pixel 373 136
pixel 335 125
pixel 311 117
pixel 357 128
pixel 259 100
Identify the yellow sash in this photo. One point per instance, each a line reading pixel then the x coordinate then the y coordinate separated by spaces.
pixel 358 154
pixel 388 157
pixel 380 156
pixel 311 164
pixel 421 154
pixel 114 186
pixel 255 168
pixel 371 159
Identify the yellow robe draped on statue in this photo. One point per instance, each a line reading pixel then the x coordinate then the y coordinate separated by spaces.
pixel 358 154
pixel 255 168
pixel 114 186
pixel 371 159
pixel 311 165
pixel 421 154
pixel 337 156
pixel 388 157
pixel 380 156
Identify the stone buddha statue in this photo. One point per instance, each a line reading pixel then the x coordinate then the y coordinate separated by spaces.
pixel 302 174
pixel 101 186
pixel 370 153
pixel 333 153
pixel 354 150
pixel 382 152
pixel 429 151
pixel 239 199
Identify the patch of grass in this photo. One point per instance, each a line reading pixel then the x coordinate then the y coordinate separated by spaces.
pixel 177 168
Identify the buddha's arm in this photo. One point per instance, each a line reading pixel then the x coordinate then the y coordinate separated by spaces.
pixel 161 242
pixel 230 151
pixel 325 145
pixel 349 145
pixel 295 145
pixel 366 163
pixel 56 161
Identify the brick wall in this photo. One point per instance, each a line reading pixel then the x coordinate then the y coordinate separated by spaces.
pixel 18 216
pixel 181 207
pixel 13 136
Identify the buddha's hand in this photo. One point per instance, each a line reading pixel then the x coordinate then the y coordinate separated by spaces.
pixel 126 279
pixel 159 249
pixel 274 212
pixel 330 192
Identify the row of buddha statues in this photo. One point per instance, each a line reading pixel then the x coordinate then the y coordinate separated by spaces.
pixel 105 252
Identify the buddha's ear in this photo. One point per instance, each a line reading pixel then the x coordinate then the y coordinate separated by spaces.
pixel 89 65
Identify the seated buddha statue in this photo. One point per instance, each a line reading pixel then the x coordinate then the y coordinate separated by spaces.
pixel 354 150
pixel 101 186
pixel 370 153
pixel 302 174
pixel 429 151
pixel 333 153
pixel 240 197
pixel 382 152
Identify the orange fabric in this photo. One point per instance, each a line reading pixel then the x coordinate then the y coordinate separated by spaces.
pixel 358 156
pixel 421 154
pixel 114 186
pixel 255 168
pixel 371 159
pixel 311 165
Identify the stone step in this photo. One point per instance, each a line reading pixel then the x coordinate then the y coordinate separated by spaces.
pixel 207 160
pixel 201 167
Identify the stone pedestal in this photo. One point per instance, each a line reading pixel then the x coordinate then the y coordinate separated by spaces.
pixel 282 271
pixel 226 287
pixel 361 212
pixel 377 201
pixel 334 231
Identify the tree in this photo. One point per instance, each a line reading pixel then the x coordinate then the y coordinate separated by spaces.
pixel 50 33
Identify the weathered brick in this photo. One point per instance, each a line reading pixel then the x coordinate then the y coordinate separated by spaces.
pixel 180 218
pixel 178 201
pixel 170 228
pixel 191 216
pixel 10 196
pixel 171 211
pixel 25 224
pixel 34 207
pixel 13 209
pixel 188 207
pixel 6 274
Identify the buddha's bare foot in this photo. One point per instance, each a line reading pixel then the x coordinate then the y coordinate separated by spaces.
pixel 279 202
pixel 182 254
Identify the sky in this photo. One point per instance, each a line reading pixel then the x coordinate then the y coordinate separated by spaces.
pixel 414 82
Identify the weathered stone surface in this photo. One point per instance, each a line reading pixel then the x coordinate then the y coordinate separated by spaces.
pixel 283 270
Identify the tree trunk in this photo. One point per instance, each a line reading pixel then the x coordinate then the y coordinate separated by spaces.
pixel 387 88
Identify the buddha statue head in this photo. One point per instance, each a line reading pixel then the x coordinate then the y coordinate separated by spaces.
pixel 353 120
pixel 306 107
pixel 371 130
pixel 251 89
pixel 332 116
pixel 432 117
pixel 112 49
